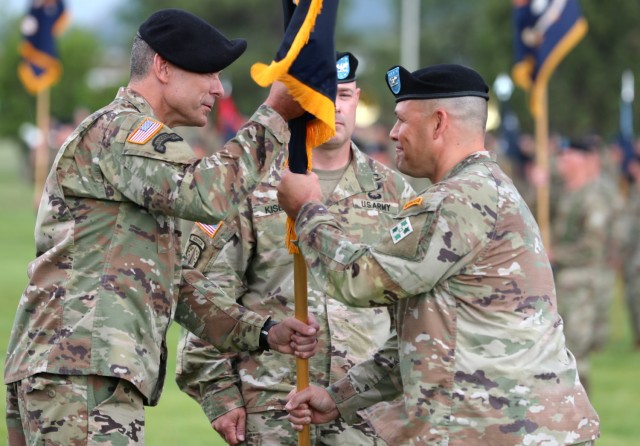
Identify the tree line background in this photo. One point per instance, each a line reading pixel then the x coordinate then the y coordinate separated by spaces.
pixel 584 91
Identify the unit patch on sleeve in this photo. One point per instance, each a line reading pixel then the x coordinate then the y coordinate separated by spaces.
pixel 194 250
pixel 145 131
pixel 401 230
pixel 160 141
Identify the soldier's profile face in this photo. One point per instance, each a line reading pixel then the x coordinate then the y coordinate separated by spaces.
pixel 410 133
pixel 191 96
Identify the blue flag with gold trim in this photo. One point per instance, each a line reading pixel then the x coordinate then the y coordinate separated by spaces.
pixel 545 32
pixel 40 66
pixel 306 64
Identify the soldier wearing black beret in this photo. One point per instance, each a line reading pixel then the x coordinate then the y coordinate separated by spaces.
pixel 109 278
pixel 464 267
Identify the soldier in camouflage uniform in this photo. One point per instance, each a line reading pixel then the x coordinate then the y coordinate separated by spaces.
pixel 631 252
pixel 580 235
pixel 88 348
pixel 248 259
pixel 480 357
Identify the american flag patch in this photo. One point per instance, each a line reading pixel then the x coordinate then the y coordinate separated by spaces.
pixel 210 230
pixel 145 131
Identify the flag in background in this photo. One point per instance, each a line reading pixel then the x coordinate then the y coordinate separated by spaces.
pixel 545 32
pixel 40 67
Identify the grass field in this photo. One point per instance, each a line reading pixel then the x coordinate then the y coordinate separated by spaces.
pixel 177 420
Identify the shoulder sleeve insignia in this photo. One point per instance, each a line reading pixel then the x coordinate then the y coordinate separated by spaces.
pixel 145 131
pixel 160 141
pixel 401 230
pixel 414 202
pixel 210 230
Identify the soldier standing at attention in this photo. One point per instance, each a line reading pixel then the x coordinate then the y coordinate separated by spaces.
pixel 88 348
pixel 243 395
pixel 580 240
pixel 480 357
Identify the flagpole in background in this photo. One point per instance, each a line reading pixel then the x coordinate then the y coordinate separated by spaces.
pixel 39 69
pixel 410 35
pixel 306 64
pixel 41 161
pixel 545 32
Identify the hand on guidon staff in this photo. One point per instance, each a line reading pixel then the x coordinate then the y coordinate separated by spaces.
pixel 294 337
pixel 297 189
pixel 231 426
pixel 312 405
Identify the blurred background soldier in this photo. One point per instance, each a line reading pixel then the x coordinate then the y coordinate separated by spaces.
pixel 580 234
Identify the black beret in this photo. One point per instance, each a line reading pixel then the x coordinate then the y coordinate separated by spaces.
pixel 189 42
pixel 436 81
pixel 346 66
pixel 579 145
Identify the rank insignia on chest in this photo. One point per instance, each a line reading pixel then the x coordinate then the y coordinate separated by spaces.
pixel 401 230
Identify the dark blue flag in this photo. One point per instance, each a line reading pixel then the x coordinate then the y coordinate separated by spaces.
pixel 306 64
pixel 40 66
pixel 545 32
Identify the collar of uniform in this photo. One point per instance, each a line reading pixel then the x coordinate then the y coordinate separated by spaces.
pixel 476 157
pixel 139 102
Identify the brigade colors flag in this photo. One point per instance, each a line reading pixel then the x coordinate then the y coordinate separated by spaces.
pixel 40 66
pixel 545 31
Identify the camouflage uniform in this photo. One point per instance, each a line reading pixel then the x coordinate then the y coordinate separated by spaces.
pixel 580 236
pixel 105 285
pixel 480 356
pixel 631 260
pixel 255 267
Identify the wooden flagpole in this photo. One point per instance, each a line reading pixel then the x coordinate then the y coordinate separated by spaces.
pixel 542 162
pixel 301 313
pixel 41 161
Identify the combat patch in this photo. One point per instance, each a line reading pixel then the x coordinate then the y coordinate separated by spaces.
pixel 145 131
pixel 210 230
pixel 160 141
pixel 194 250
pixel 389 208
pixel 401 230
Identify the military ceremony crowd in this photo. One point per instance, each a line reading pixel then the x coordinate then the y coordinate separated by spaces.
pixel 437 314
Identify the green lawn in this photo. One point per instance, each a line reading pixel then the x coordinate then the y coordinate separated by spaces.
pixel 177 420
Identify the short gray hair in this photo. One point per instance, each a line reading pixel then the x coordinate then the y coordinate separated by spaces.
pixel 141 58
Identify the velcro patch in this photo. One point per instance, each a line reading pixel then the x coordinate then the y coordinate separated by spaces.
pixel 194 250
pixel 210 230
pixel 145 131
pixel 414 202
pixel 401 230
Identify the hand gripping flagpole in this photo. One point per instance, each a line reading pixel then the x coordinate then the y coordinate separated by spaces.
pixel 305 64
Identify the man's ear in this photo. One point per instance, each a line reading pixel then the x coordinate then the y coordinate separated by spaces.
pixel 161 68
pixel 440 122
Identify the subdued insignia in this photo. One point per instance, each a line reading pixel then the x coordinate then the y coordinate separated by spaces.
pixel 401 230
pixel 160 141
pixel 393 79
pixel 194 250
pixel 380 206
pixel 210 230
pixel 343 68
pixel 414 202
pixel 145 131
